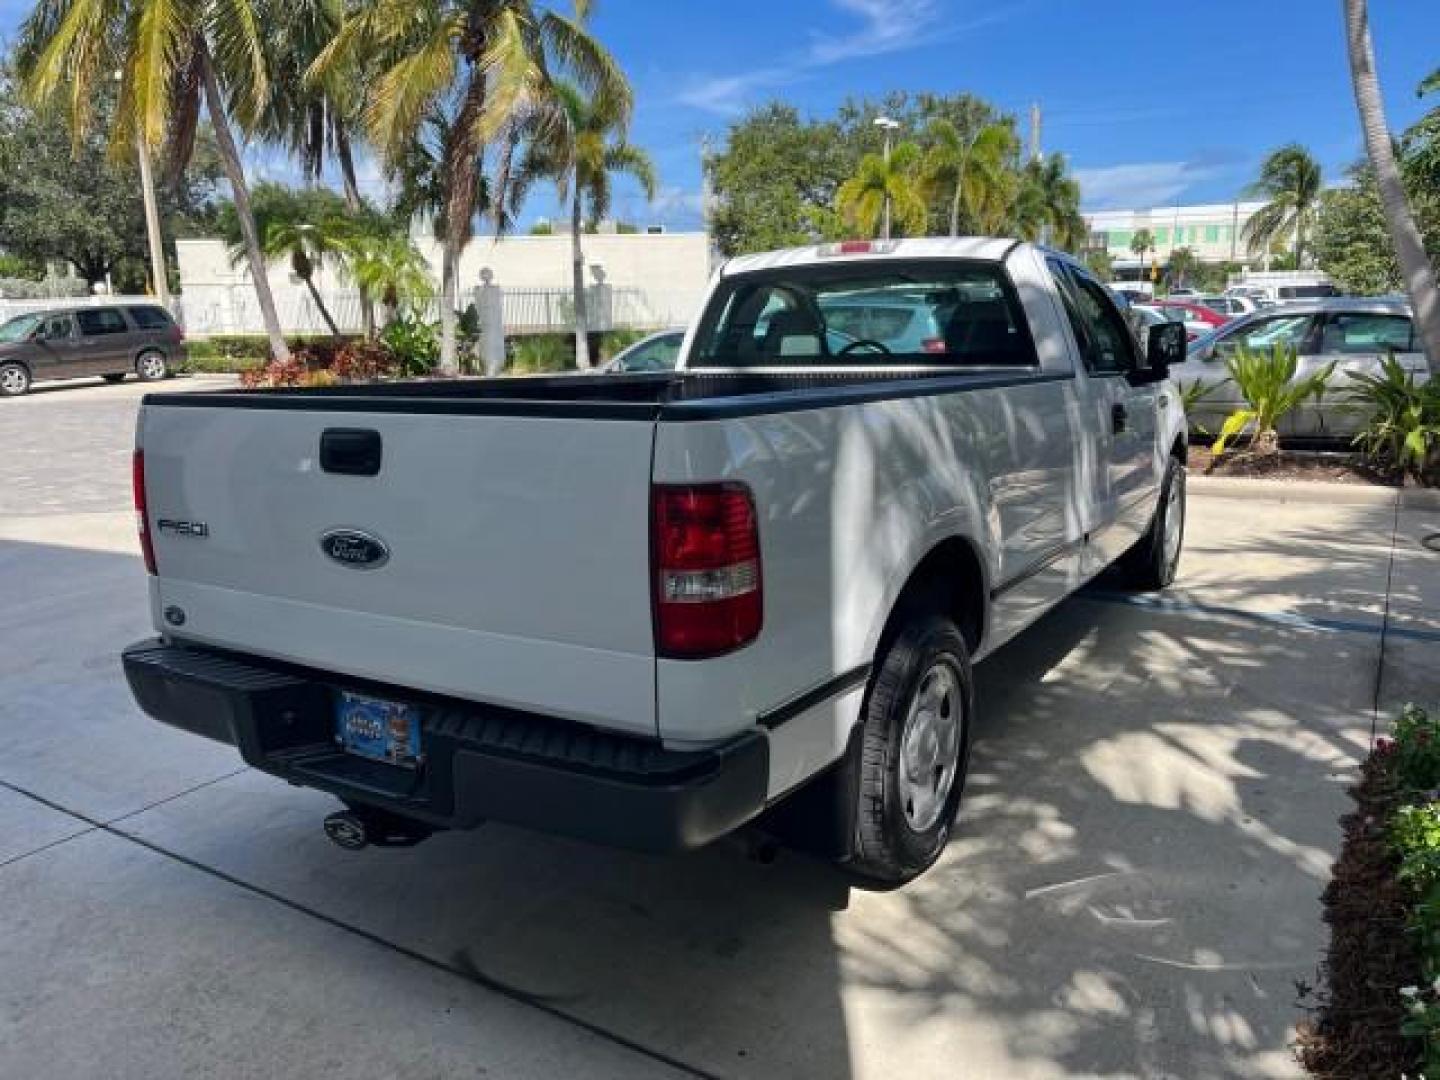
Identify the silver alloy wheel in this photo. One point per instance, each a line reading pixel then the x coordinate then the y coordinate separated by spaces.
pixel 1174 521
pixel 930 746
pixel 152 366
pixel 13 380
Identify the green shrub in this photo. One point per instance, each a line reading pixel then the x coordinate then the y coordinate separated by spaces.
pixel 1267 383
pixel 1402 420
pixel 414 343
pixel 1413 759
pixel 542 353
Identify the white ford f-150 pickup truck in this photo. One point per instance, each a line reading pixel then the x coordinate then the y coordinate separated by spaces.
pixel 647 610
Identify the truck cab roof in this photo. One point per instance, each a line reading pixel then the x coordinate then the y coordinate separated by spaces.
pixel 983 248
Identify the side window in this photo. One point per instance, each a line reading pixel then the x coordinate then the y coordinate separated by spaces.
pixel 97 321
pixel 1267 333
pixel 1366 334
pixel 149 318
pixel 1111 349
pixel 59 327
pixel 1068 301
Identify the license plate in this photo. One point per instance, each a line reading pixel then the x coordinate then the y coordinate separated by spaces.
pixel 377 729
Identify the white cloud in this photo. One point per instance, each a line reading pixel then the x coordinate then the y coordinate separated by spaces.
pixel 1144 184
pixel 886 26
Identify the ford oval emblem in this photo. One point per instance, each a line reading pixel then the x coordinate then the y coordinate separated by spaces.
pixel 355 549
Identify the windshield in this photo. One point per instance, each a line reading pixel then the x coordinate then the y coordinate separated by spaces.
pixel 19 328
pixel 890 313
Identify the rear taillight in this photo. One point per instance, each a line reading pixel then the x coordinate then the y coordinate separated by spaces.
pixel 137 483
pixel 933 345
pixel 706 561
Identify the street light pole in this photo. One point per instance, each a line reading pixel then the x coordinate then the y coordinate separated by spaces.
pixel 888 126
pixel 159 282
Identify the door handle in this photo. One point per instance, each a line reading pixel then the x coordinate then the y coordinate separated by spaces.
pixel 1119 418
pixel 350 451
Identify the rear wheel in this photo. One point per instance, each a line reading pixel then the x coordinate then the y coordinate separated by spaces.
pixel 151 366
pixel 1152 563
pixel 915 749
pixel 115 377
pixel 14 380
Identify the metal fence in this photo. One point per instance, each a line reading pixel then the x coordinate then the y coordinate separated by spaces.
pixel 235 310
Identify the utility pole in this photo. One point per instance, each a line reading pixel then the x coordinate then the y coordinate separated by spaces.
pixel 1035 131
pixel 888 126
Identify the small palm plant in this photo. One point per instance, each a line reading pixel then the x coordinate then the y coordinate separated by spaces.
pixel 1266 380
pixel 1402 428
pixel 1193 393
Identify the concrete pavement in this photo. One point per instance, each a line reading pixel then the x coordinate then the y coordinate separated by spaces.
pixel 1132 890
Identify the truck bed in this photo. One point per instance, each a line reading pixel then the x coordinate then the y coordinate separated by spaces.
pixel 681 395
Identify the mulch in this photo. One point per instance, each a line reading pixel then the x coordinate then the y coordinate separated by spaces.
pixel 1290 465
pixel 1355 1014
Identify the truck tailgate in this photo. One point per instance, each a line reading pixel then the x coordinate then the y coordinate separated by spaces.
pixel 514 568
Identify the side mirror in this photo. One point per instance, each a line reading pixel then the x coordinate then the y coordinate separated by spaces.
pixel 1165 346
pixel 39 335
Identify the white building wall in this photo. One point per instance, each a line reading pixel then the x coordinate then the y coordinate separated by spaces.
pixel 1213 231
pixel 656 280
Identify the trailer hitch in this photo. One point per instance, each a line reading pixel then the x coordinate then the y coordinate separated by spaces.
pixel 362 826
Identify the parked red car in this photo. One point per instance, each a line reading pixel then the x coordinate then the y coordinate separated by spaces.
pixel 1197 318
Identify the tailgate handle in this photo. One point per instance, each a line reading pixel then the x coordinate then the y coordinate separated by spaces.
pixel 350 451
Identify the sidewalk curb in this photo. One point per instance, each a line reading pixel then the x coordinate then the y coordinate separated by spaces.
pixel 1289 491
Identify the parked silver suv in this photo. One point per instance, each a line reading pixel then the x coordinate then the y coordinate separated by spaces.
pixel 111 341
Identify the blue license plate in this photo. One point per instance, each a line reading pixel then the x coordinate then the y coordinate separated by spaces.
pixel 377 729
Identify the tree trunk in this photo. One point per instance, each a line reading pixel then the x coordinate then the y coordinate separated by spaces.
pixel 324 311
pixel 230 158
pixel 449 273
pixel 1415 265
pixel 577 278
pixel 347 166
pixel 955 206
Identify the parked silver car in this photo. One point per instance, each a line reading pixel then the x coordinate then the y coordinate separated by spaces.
pixel 658 352
pixel 1354 334
pixel 108 341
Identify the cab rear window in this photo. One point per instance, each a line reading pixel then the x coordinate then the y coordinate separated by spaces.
pixel 866 314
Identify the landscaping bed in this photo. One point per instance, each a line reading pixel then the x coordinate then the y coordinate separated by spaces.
pixel 1292 465
pixel 1376 1012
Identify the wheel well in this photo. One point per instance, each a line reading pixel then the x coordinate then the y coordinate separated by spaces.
pixel 951 580
pixel 1179 450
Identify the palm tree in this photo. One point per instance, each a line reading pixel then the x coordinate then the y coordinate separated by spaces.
pixel 477 73
pixel 1059 199
pixel 968 169
pixel 861 199
pixel 388 267
pixel 1290 182
pixel 581 155
pixel 1140 243
pixel 174 61
pixel 311 118
pixel 307 244
pixel 1415 267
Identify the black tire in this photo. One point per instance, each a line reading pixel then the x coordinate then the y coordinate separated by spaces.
pixel 1151 564
pixel 151 366
pixel 115 377
pixel 14 380
pixel 894 840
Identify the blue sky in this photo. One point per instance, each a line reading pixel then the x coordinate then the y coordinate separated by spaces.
pixel 1152 103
